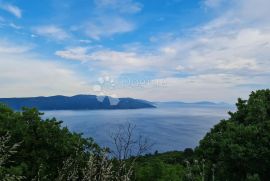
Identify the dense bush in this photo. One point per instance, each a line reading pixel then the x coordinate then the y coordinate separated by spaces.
pixel 160 167
pixel 240 146
pixel 43 144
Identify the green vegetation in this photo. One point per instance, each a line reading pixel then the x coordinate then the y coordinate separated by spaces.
pixel 236 149
pixel 240 146
pixel 43 144
pixel 162 167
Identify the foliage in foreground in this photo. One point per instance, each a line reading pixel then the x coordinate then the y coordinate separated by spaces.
pixel 240 146
pixel 44 145
pixel 161 166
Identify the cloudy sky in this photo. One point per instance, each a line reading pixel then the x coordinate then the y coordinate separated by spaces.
pixel 189 50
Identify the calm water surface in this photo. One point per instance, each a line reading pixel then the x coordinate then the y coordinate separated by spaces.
pixel 171 128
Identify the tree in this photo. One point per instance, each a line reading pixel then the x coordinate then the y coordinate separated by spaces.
pixel 6 152
pixel 44 144
pixel 127 148
pixel 240 145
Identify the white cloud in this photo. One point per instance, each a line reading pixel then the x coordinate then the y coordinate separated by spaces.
pixel 253 10
pixel 243 10
pixel 85 41
pixel 180 68
pixel 122 6
pixel 235 54
pixel 239 52
pixel 213 3
pixel 16 11
pixel 24 74
pixel 51 31
pixel 111 18
pixel 12 25
pixel 119 61
pixel 238 64
pixel 75 53
pixel 9 48
pixel 212 87
pixel 116 62
pixel 107 27
pixel 33 77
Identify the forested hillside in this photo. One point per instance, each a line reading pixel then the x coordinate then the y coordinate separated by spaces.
pixel 77 102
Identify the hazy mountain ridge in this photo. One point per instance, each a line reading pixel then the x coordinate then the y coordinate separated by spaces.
pixel 186 104
pixel 77 102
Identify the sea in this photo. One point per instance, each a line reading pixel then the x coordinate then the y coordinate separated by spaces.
pixel 166 128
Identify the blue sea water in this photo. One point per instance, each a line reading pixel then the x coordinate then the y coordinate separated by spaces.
pixel 169 128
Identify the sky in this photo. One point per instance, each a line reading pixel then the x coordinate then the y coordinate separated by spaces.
pixel 158 50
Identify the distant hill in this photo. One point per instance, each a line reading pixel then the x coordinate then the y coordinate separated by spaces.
pixel 78 102
pixel 189 104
